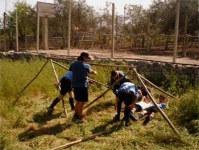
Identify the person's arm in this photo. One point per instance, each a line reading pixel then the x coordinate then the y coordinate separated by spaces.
pixel 133 103
pixel 93 72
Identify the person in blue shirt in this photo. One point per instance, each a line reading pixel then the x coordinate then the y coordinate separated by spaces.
pixel 65 84
pixel 150 111
pixel 65 87
pixel 127 93
pixel 80 83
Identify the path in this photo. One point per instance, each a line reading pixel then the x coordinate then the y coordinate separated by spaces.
pixel 120 55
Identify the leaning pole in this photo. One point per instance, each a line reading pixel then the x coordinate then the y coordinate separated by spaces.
pixel 160 110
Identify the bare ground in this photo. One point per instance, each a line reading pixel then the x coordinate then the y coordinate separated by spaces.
pixel 125 54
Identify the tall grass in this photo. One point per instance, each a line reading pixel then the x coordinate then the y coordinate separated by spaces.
pixel 188 111
pixel 27 126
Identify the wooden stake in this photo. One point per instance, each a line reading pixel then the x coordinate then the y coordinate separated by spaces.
pixel 109 88
pixel 20 93
pixel 81 140
pixel 157 87
pixel 160 110
pixel 88 78
pixel 65 111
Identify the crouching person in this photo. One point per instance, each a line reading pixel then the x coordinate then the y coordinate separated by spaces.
pixel 127 93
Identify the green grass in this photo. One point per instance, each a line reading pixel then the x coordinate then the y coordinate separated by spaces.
pixel 27 126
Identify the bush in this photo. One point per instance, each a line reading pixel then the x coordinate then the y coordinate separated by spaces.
pixel 188 110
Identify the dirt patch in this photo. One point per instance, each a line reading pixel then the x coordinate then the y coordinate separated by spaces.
pixel 154 55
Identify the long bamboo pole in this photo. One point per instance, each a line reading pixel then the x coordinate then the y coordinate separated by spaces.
pixel 109 88
pixel 65 111
pixel 81 140
pixel 160 110
pixel 157 87
pixel 107 65
pixel 20 93
pixel 88 78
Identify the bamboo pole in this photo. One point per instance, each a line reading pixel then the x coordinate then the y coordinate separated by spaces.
pixel 65 111
pixel 88 78
pixel 81 140
pixel 20 93
pixel 109 88
pixel 157 87
pixel 160 110
pixel 96 99
pixel 107 65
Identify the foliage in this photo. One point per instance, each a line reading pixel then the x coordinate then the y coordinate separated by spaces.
pixel 163 13
pixel 26 19
pixel 158 19
pixel 175 83
pixel 188 108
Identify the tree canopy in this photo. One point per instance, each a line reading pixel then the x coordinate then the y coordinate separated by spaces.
pixel 159 18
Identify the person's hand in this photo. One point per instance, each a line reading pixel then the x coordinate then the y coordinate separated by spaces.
pixel 57 85
pixel 91 82
pixel 95 72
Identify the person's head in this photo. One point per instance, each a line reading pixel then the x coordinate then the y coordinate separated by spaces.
pixel 162 99
pixel 144 92
pixel 85 56
pixel 80 58
pixel 114 74
pixel 146 99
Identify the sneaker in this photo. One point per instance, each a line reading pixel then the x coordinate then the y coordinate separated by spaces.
pixel 82 120
pixel 116 118
pixel 127 123
pixel 133 117
pixel 75 118
pixel 79 119
pixel 50 110
pixel 146 121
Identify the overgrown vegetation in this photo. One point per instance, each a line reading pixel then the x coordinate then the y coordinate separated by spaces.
pixel 26 125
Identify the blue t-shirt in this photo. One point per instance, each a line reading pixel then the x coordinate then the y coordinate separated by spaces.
pixel 162 105
pixel 69 75
pixel 80 72
pixel 130 88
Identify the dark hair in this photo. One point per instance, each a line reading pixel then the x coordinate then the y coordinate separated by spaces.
pixel 85 54
pixel 113 73
pixel 162 96
pixel 144 92
pixel 80 58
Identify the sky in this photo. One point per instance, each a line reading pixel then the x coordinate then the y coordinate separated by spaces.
pixel 7 5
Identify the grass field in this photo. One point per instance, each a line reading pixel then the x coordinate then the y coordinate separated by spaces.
pixel 27 126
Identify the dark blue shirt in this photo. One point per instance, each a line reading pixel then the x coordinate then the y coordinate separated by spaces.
pixel 80 73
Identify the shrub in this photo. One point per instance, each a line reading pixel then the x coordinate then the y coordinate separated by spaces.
pixel 188 111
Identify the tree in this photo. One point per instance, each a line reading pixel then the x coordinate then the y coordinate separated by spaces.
pixel 162 13
pixel 26 22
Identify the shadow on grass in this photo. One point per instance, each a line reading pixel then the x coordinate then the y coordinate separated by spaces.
pixel 51 130
pixel 116 126
pixel 44 117
pixel 99 107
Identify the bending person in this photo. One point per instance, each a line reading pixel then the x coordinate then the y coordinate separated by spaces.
pixel 127 93
pixel 66 87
